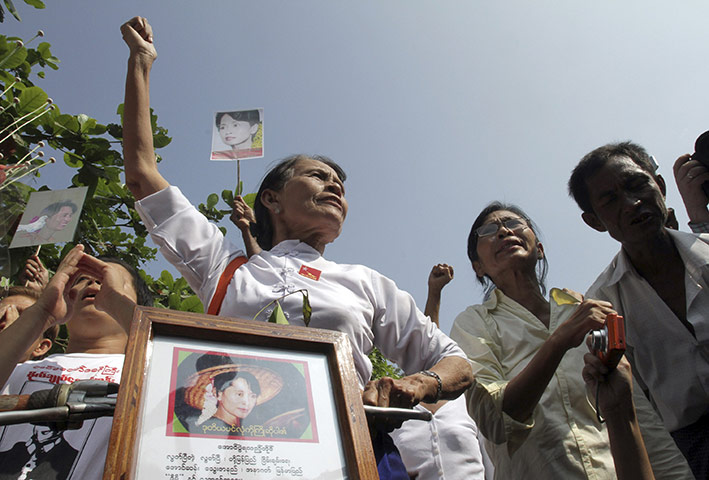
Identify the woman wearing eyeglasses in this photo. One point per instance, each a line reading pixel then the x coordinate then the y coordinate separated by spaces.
pixel 528 397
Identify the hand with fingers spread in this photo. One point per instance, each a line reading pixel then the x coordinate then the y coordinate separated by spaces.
pixel 116 294
pixel 53 301
pixel 35 275
pixel 690 175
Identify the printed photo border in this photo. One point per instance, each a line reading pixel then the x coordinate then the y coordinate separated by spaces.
pixel 156 327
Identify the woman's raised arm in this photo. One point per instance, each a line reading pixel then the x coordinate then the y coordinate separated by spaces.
pixel 142 176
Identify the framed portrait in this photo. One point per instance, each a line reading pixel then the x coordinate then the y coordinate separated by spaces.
pixel 237 135
pixel 50 217
pixel 213 397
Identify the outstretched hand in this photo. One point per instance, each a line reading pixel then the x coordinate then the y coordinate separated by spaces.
pixel 117 289
pixel 53 301
pixel 138 35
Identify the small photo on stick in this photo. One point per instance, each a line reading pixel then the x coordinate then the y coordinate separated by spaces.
pixel 237 135
pixel 50 217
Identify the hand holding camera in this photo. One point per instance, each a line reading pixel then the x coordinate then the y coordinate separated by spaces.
pixel 608 343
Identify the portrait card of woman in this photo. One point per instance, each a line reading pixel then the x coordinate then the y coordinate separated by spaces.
pixel 50 217
pixel 237 135
pixel 216 394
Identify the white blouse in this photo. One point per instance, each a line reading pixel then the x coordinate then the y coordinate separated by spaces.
pixel 352 299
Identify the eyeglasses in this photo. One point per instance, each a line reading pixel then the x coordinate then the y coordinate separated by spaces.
pixel 514 224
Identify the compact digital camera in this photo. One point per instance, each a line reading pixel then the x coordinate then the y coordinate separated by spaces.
pixel 609 342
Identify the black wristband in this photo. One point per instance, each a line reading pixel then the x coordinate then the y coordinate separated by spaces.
pixel 429 373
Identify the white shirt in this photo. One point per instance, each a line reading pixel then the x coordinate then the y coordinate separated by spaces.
pixel 352 299
pixel 75 454
pixel 562 438
pixel 666 359
pixel 444 448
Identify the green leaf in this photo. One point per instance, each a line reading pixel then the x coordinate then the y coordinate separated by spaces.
pixel 167 279
pixel 14 58
pixel 278 316
pixel 228 197
pixel 73 160
pixel 192 304
pixel 174 301
pixel 11 8
pixel 212 200
pixel 43 49
pixel 67 122
pixel 250 199
pixel 161 140
pixel 30 99
pixel 38 4
pixel 307 309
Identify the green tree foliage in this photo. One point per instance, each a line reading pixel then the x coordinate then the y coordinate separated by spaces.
pixel 109 224
pixel 11 8
pixel 381 367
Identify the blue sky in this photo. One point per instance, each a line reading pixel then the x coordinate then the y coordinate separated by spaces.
pixel 433 109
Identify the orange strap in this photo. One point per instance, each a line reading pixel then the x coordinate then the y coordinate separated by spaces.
pixel 216 304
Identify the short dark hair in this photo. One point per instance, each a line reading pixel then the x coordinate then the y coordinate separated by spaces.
pixel 54 208
pixel 487 283
pixel 251 116
pixel 145 297
pixel 226 379
pixel 595 160
pixel 262 230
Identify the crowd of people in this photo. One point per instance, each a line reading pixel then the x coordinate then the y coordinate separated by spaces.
pixel 517 366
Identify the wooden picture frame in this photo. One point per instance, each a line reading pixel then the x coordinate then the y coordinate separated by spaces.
pixel 153 436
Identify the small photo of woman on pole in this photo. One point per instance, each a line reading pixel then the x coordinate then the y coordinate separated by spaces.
pixel 241 132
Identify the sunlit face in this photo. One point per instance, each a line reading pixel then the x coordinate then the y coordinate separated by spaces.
pixel 61 219
pixel 313 201
pixel 236 133
pixel 627 202
pixel 238 399
pixel 11 307
pixel 514 248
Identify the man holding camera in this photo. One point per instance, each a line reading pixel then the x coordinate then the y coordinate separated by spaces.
pixel 658 282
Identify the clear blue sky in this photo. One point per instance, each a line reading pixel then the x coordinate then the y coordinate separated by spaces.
pixel 433 108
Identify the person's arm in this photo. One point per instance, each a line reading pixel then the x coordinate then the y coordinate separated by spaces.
pixel 35 275
pixel 243 216
pixel 142 176
pixel 454 372
pixel 50 309
pixel 690 175
pixel 524 390
pixel 615 398
pixel 439 277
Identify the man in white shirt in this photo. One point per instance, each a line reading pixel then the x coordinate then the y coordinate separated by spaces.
pixel 96 299
pixel 658 282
